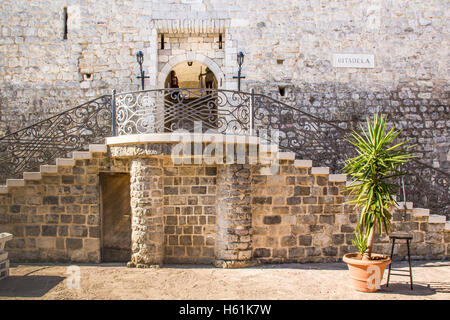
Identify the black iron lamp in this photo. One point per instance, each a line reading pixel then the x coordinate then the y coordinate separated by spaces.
pixel 240 61
pixel 240 58
pixel 140 60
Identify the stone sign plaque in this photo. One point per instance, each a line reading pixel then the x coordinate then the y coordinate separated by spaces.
pixel 350 60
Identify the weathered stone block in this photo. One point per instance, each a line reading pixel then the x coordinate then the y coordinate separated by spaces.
pixel 74 244
pixel 261 253
pixel 272 220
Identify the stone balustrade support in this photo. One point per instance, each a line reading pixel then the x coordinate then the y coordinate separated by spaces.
pixel 234 216
pixel 147 233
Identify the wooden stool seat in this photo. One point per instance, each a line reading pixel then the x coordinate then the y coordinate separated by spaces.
pixel 400 235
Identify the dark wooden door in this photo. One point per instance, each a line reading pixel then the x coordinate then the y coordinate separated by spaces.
pixel 116 218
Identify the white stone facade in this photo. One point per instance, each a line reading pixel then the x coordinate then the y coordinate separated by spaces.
pixel 288 46
pixel 285 42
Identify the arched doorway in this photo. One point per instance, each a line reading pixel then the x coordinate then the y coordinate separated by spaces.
pixel 192 75
pixel 191 95
pixel 194 57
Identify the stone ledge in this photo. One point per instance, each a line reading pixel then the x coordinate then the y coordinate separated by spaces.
pixel 404 205
pixel 320 170
pixel 32 176
pixel 180 137
pixel 102 148
pixel 303 163
pixel 420 212
pixel 435 218
pixel 15 182
pixel 49 168
pixel 68 162
pixel 337 177
pixel 286 155
pixel 81 155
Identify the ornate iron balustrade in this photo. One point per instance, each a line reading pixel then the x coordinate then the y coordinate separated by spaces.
pixel 225 111
pixel 427 187
pixel 43 142
pixel 168 110
pixel 308 136
pixel 324 142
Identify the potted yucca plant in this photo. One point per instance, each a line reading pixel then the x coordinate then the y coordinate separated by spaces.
pixel 372 171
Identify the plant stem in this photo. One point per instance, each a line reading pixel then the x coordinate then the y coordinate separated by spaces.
pixel 368 254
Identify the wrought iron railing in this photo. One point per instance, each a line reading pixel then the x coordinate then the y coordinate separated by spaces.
pixel 308 136
pixel 169 110
pixel 224 111
pixel 43 142
pixel 324 142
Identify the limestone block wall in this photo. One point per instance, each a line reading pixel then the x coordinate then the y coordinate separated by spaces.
pixel 285 43
pixel 190 213
pixel 300 215
pixel 190 45
pixel 231 215
pixel 54 214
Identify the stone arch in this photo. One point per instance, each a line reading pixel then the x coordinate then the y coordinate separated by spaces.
pixel 220 76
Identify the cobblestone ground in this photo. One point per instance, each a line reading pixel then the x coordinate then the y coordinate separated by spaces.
pixel 288 281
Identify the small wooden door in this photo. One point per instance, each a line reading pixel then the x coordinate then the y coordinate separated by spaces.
pixel 116 217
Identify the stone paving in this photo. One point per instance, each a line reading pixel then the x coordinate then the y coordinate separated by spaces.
pixel 288 281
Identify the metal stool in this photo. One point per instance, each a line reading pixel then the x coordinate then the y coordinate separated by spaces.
pixel 407 237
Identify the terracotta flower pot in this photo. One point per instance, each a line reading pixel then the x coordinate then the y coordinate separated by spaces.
pixel 366 274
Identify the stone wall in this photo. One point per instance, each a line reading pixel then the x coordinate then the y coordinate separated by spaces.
pixel 56 215
pixel 420 109
pixel 190 44
pixel 301 216
pixel 285 43
pixel 231 215
pixel 190 213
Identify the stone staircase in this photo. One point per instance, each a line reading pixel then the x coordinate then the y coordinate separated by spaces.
pixel 416 212
pixel 103 148
pixel 427 225
pixel 60 162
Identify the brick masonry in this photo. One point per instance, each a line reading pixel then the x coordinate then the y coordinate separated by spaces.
pixel 231 215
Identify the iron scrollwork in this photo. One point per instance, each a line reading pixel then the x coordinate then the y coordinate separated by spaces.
pixel 324 142
pixel 222 111
pixel 169 110
pixel 72 130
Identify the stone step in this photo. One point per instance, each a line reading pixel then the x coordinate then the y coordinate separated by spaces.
pixel 65 162
pixel 15 182
pixel 46 168
pixel 435 218
pixel 81 155
pixel 32 176
pixel 402 205
pixel 303 163
pixel 286 155
pixel 337 177
pixel 420 212
pixel 49 168
pixel 101 148
pixel 320 170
